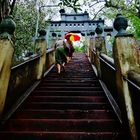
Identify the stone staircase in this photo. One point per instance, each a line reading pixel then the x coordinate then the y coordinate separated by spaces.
pixel 72 106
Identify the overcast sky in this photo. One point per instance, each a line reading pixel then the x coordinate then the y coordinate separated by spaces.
pixel 84 7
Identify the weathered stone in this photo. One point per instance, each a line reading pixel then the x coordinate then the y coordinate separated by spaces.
pixel 41 46
pixel 6 54
pixel 125 59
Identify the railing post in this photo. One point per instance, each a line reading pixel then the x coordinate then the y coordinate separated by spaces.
pixel 125 59
pixel 100 40
pixel 91 48
pixel 87 46
pixel 99 48
pixel 7 28
pixel 41 46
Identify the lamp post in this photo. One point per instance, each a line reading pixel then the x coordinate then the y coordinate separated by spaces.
pixel 38 17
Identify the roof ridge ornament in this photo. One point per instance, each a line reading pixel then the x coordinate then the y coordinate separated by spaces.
pixel 62 11
pixel 99 30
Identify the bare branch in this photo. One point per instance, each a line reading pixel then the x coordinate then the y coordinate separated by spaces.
pixel 98 12
pixel 93 4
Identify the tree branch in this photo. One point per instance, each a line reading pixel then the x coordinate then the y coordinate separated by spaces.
pixel 96 3
pixel 98 12
pixel 12 6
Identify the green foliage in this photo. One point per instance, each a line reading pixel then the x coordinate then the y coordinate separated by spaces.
pixel 133 20
pixel 135 25
pixel 110 54
pixel 79 49
pixel 25 17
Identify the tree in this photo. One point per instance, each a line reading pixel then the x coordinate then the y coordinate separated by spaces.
pixel 24 15
pixel 6 8
pixel 135 26
pixel 130 6
pixel 104 8
pixel 74 4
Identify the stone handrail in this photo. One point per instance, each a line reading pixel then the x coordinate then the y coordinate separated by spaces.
pixel 23 77
pixel 17 82
pixel 108 60
pixel 122 73
pixel 107 70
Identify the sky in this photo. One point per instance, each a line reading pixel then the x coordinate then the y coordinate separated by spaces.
pixel 91 11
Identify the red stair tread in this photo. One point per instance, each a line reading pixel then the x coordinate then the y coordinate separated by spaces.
pixel 31 135
pixel 63 114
